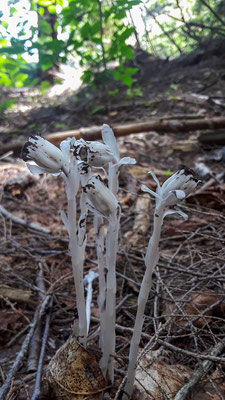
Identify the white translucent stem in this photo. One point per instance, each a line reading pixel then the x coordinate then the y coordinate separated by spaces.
pixel 99 232
pixel 109 335
pixel 150 260
pixel 81 231
pixel 89 279
pixel 107 361
pixel 113 178
pixel 77 254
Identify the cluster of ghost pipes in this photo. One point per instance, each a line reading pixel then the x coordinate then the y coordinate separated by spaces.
pixel 77 160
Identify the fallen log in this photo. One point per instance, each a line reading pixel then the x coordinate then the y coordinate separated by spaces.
pixel 160 126
pixel 212 138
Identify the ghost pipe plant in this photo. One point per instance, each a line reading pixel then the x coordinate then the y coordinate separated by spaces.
pixel 108 335
pixel 173 190
pixel 50 159
pixel 103 201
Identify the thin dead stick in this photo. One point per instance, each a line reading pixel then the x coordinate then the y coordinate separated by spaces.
pixel 201 371
pixel 22 222
pixel 123 329
pixel 37 387
pixel 17 363
pixel 209 357
pixel 35 344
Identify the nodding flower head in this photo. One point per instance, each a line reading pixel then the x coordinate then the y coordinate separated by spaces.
pixel 184 179
pixel 174 189
pixel 101 198
pixel 48 158
pixel 95 154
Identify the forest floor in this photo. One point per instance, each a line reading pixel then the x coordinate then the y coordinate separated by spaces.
pixel 184 329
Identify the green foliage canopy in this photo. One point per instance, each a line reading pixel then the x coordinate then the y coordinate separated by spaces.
pixel 97 31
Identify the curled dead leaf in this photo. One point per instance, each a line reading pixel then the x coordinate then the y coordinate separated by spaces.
pixel 74 373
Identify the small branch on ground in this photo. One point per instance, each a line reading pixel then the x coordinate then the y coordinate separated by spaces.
pixel 35 344
pixel 37 387
pixel 199 373
pixel 23 351
pixel 20 221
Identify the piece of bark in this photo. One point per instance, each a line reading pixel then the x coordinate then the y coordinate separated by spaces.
pixel 14 294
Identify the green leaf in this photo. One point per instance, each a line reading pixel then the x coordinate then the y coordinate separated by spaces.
pixel 131 71
pixel 85 31
pixel 13 10
pixel 7 104
pixel 45 3
pixel 43 86
pixel 3 42
pixel 41 11
pixel 94 110
pixel 126 34
pixel 87 76
pixel 113 92
pixel 4 24
pixel 46 62
pixel 45 27
pixel 127 80
pixel 52 9
pixel 95 28
pixel 127 52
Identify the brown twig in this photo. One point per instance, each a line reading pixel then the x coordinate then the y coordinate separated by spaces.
pixel 17 363
pixel 188 353
pixel 201 371
pixel 37 387
pixel 20 221
pixel 36 339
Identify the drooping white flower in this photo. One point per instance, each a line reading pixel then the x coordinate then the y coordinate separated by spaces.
pixel 174 189
pixel 109 139
pixel 95 154
pixel 47 156
pixel 101 198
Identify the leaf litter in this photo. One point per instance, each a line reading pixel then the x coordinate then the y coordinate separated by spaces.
pixel 185 310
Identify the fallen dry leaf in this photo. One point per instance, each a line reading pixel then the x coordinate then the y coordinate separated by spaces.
pixel 141 221
pixel 195 304
pixel 175 226
pixel 158 380
pixel 74 373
